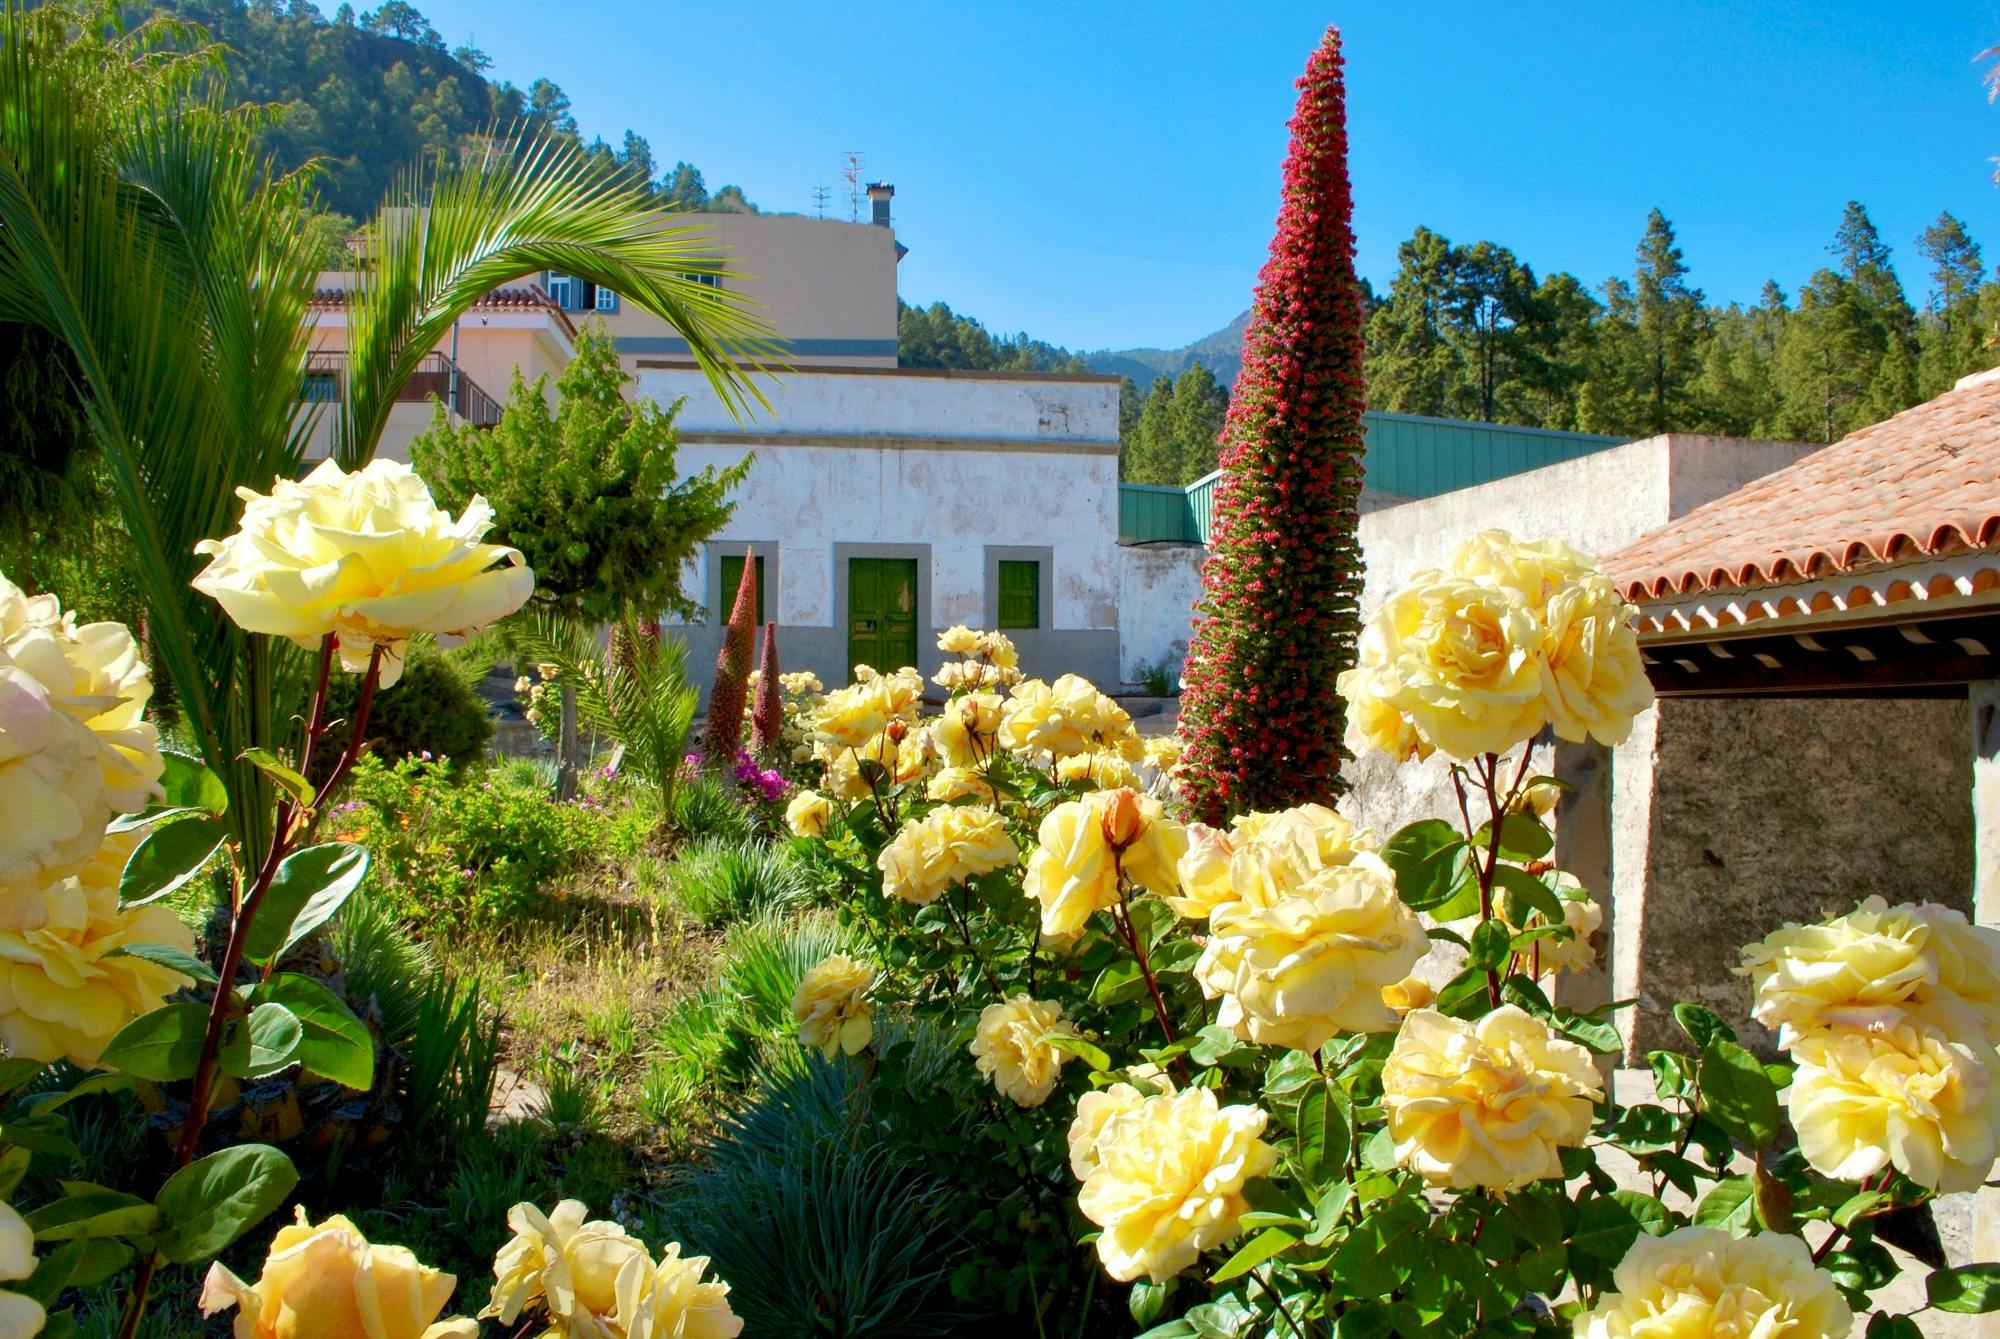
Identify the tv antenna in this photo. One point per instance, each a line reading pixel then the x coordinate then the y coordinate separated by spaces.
pixel 851 174
pixel 820 197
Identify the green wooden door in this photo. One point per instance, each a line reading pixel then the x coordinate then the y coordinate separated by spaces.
pixel 881 613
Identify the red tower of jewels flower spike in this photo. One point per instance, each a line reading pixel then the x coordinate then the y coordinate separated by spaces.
pixel 1281 590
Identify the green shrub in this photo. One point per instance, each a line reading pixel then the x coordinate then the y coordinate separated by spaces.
pixel 718 881
pixel 705 806
pixel 433 711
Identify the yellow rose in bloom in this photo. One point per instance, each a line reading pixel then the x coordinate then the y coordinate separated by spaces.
pixel 1374 721
pixel 691 1307
pixel 20 1316
pixel 958 783
pixel 850 717
pixel 1910 1098
pixel 1314 962
pixel 1702 1283
pixel 809 814
pixel 1203 872
pixel 589 1278
pixel 997 648
pixel 1103 769
pixel 75 746
pixel 328 1282
pixel 831 1006
pixel 1593 679
pixel 1486 1103
pixel 1412 992
pixel 968 730
pixel 1068 716
pixel 1276 853
pixel 62 993
pixel 1166 1181
pixel 900 763
pixel 946 846
pixel 1876 968
pixel 958 640
pixel 368 557
pixel 1094 1111
pixel 1012 1049
pixel 1084 845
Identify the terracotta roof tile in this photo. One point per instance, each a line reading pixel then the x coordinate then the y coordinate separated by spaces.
pixel 1925 483
pixel 516 297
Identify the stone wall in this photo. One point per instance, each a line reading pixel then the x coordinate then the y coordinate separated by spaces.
pixel 1157 587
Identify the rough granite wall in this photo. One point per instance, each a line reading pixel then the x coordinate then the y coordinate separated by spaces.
pixel 1788 809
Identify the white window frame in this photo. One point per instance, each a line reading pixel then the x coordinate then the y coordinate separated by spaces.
pixel 607 301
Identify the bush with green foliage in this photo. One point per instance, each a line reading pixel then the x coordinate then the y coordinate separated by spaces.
pixel 433 713
pixel 719 880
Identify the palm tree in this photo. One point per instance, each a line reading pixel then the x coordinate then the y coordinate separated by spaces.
pixel 140 225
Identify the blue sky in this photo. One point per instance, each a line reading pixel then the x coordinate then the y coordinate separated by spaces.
pixel 1105 175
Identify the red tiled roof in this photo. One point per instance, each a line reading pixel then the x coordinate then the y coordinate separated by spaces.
pixel 1924 484
pixel 518 297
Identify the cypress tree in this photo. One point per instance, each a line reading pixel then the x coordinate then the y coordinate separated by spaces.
pixel 1280 601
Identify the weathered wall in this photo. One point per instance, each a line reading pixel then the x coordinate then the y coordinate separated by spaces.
pixel 1157 587
pixel 1785 810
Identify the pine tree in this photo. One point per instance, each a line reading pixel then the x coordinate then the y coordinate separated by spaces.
pixel 1155 456
pixel 1199 407
pixel 1281 592
pixel 1411 366
pixel 1952 339
pixel 1671 323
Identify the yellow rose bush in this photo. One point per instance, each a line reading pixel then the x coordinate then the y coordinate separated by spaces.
pixel 1288 1077
pixel 571 1277
pixel 328 1282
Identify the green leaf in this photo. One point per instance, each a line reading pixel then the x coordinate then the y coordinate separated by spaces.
pixel 1882 1325
pixel 168 858
pixel 1491 945
pixel 1379 1153
pixel 189 784
pixel 146 818
pixel 1270 1242
pixel 310 886
pixel 289 781
pixel 1526 893
pixel 1609 1224
pixel 1288 1073
pixel 1968 1290
pixel 50 1137
pixel 263 1044
pixel 82 1263
pixel 17 1073
pixel 1730 1205
pixel 1424 856
pixel 210 1203
pixel 169 957
pixel 1737 1094
pixel 1464 996
pixel 1701 1024
pixel 1522 838
pixel 1859 1206
pixel 162 1046
pixel 1147 1300
pixel 111 1082
pixel 1325 1130
pixel 1090 1054
pixel 1217 1045
pixel 333 1044
pixel 1523 993
pixel 87 1210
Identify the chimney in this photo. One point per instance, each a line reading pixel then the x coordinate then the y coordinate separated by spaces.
pixel 879 194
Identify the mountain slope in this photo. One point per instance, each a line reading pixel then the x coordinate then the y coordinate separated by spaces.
pixel 1221 352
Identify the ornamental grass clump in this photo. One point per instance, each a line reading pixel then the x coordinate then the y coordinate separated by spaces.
pixel 1215 1062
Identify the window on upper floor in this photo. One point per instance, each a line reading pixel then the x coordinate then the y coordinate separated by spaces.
pixel 705 280
pixel 607 301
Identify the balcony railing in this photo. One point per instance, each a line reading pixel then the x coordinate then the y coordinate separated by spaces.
pixel 436 375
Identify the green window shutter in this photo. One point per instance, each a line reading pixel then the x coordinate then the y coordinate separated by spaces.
pixel 732 577
pixel 1020 594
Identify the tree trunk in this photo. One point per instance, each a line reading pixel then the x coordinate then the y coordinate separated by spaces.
pixel 568 746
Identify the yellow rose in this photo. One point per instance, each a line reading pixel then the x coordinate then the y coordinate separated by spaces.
pixel 968 731
pixel 1012 1049
pixel 691 1307
pixel 1411 993
pixel 1314 962
pixel 958 783
pixel 1094 1111
pixel 961 676
pixel 1463 662
pixel 946 846
pixel 900 763
pixel 809 814
pixel 1877 968
pixel 1593 678
pixel 1203 872
pixel 1908 1097
pixel 20 1316
pixel 1276 853
pixel 997 648
pixel 958 640
pixel 368 557
pixel 62 992
pixel 831 1006
pixel 1370 693
pixel 586 1278
pixel 75 746
pixel 1075 871
pixel 1166 1181
pixel 850 717
pixel 1066 717
pixel 1103 769
pixel 1699 1282
pixel 1535 569
pixel 1487 1103
pixel 328 1282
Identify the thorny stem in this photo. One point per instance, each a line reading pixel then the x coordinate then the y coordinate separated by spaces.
pixel 1122 914
pixel 293 825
